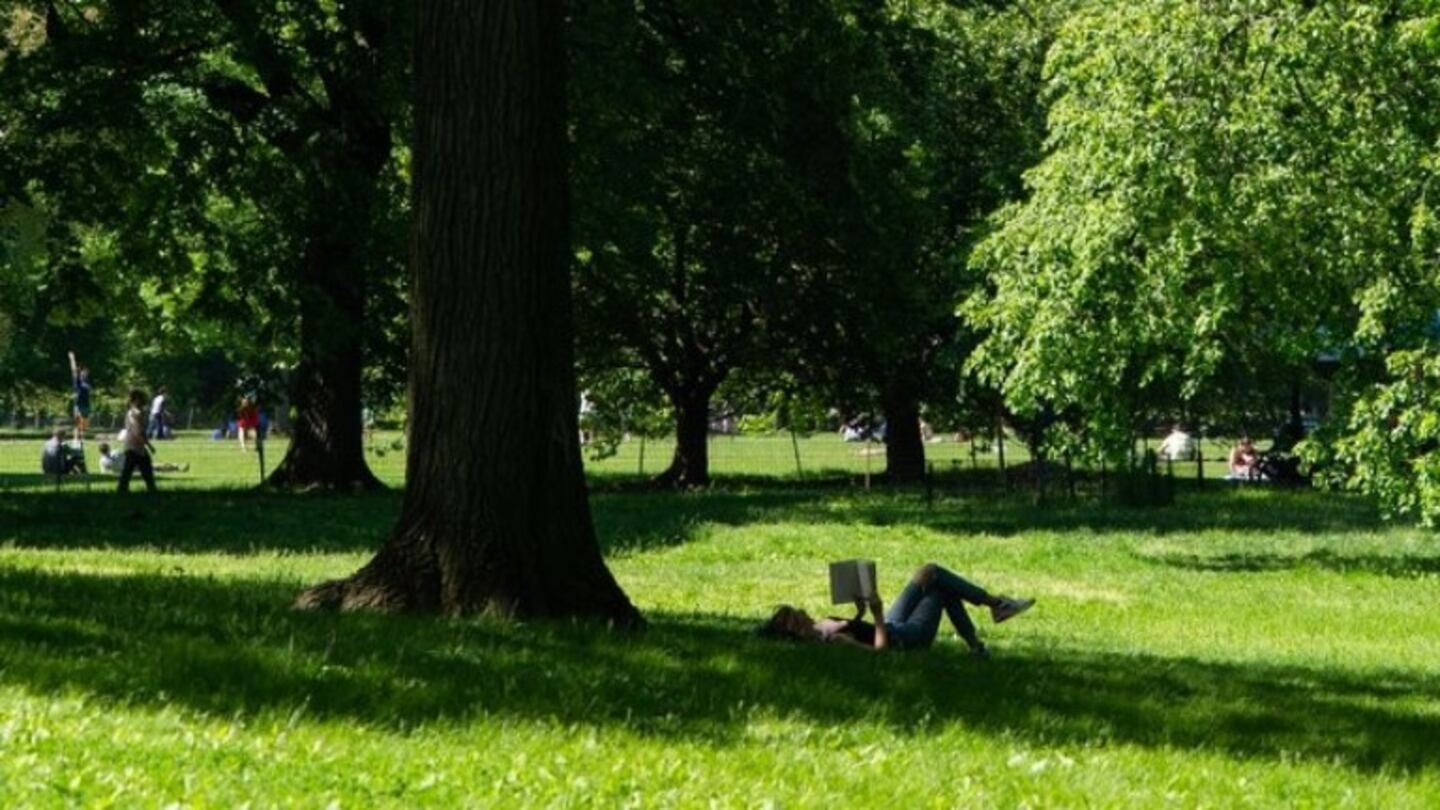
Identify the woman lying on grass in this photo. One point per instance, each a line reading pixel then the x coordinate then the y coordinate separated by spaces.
pixel 911 623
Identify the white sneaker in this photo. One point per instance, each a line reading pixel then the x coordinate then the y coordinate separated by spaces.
pixel 1009 608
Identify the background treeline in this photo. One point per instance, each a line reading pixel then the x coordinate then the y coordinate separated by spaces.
pixel 1077 219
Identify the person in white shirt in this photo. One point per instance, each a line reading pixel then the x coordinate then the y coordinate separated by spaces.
pixel 112 462
pixel 1178 446
pixel 137 447
pixel 158 426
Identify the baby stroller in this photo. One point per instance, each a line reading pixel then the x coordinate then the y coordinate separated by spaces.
pixel 1282 469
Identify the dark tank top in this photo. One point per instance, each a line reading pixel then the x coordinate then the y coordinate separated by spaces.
pixel 854 629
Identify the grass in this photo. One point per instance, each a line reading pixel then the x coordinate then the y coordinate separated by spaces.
pixel 1245 647
pixel 823 457
pixel 214 464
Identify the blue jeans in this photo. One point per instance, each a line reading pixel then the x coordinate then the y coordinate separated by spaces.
pixel 914 618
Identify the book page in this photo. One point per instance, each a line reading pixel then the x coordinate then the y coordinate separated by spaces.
pixel 865 574
pixel 844 581
pixel 851 580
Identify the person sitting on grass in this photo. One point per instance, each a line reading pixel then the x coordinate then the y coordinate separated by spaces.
pixel 112 462
pixel 60 458
pixel 1244 461
pixel 911 623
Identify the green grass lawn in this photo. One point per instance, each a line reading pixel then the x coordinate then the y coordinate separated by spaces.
pixel 215 464
pixel 1246 647
pixel 821 457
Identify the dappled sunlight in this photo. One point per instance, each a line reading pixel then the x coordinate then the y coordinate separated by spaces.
pixel 1162 639
pixel 221 648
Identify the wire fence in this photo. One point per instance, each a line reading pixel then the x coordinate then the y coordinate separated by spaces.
pixel 800 457
pixel 198 460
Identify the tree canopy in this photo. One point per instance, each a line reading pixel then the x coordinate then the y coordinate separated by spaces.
pixel 1229 189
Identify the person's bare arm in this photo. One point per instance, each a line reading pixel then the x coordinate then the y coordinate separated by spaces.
pixel 877 608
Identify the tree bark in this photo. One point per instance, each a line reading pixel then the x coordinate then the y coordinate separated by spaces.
pixel 904 446
pixel 495 517
pixel 326 447
pixel 690 465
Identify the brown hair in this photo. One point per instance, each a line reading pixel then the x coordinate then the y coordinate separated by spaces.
pixel 778 625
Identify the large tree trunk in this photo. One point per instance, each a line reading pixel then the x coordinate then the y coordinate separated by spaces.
pixel 495 517
pixel 326 448
pixel 690 466
pixel 904 446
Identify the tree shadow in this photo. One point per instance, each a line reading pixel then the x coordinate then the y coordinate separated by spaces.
pixel 198 521
pixel 650 520
pixel 227 648
pixel 50 483
pixel 244 520
pixel 643 520
pixel 1212 509
pixel 247 520
pixel 1396 566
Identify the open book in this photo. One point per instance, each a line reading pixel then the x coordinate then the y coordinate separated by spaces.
pixel 851 580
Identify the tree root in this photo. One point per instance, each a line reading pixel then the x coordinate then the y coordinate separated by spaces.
pixel 357 593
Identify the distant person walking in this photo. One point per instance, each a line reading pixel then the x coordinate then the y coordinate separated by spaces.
pixel 159 417
pixel 247 419
pixel 137 446
pixel 80 376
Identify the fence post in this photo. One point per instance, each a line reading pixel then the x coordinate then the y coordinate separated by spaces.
pixel 868 442
pixel 260 452
pixel 1200 461
pixel 795 445
pixel 642 455
pixel 1000 453
pixel 1040 465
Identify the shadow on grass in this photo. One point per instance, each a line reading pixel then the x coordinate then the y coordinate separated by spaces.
pixel 196 521
pixel 49 483
pixel 646 520
pixel 251 520
pixel 228 648
pixel 1398 566
pixel 247 520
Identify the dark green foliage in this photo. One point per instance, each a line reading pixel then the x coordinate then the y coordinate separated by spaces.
pixel 218 176
pixel 1144 484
